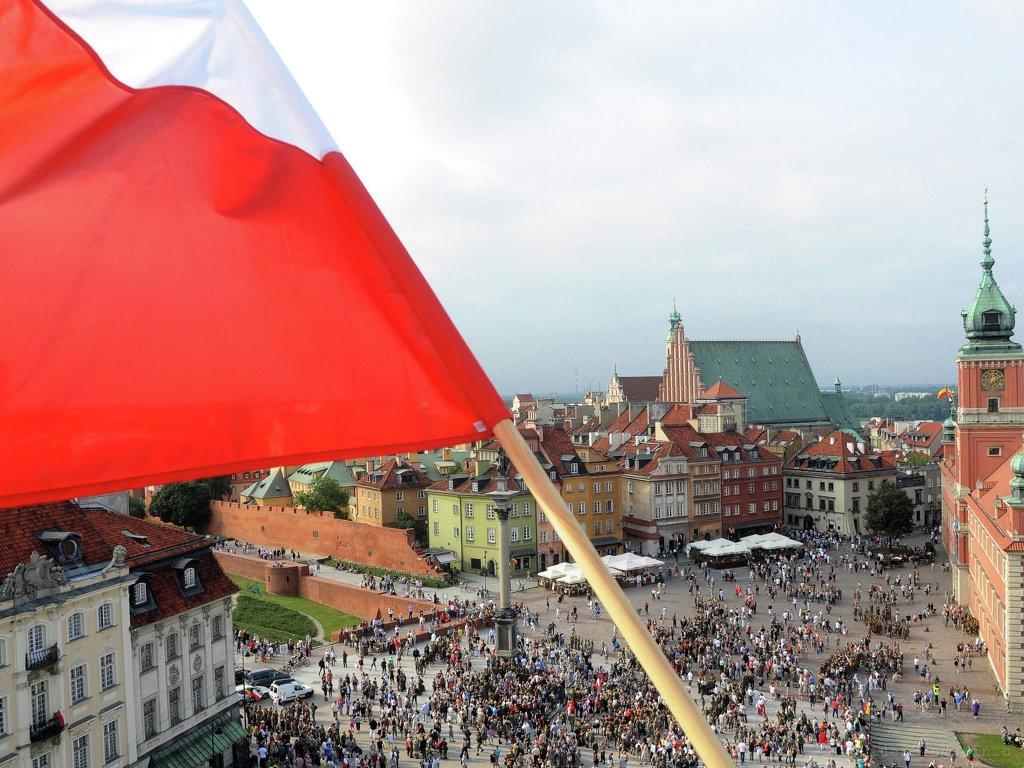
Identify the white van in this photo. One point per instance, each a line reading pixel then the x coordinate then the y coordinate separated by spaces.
pixel 281 692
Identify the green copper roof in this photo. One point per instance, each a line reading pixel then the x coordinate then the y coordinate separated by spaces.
pixel 774 375
pixel 989 320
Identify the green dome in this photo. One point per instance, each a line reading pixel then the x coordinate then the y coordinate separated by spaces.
pixel 1017 484
pixel 989 320
pixel 1017 464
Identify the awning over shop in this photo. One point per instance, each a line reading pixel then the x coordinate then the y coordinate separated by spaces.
pixel 442 556
pixel 195 748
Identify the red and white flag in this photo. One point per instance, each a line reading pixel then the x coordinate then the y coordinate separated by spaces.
pixel 195 281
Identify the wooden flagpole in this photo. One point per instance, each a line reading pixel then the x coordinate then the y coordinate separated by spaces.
pixel 612 598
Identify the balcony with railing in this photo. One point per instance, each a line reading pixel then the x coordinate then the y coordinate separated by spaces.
pixel 47 729
pixel 42 659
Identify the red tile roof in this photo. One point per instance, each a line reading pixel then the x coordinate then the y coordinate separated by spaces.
pixel 19 526
pixel 152 549
pixel 722 391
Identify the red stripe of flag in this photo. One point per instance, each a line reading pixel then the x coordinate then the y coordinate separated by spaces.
pixel 187 297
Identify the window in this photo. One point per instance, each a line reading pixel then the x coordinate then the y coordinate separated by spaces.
pixel 609 506
pixel 542 536
pixel 3 715
pixel 37 697
pixel 149 718
pixel 609 526
pixel 188 578
pixel 582 508
pixel 490 536
pixel 597 507
pixel 399 495
pixel 36 639
pixel 140 593
pixel 197 693
pixel 110 752
pixel 455 509
pixel 172 646
pixel 527 533
pixel 421 494
pixel 217 627
pixel 568 487
pixel 871 485
pixel 831 486
pixel 527 511
pixel 80 752
pixel 76 626
pixel 437 529
pixel 455 532
pixel 597 487
pixel 77 676
pixel 750 488
pixel 543 517
pixel 107 678
pixel 752 508
pixel 105 616
pixel 469 509
pixel 470 533
pixel 490 511
pixel 725 491
pixel 514 533
pixel 582 487
pixel 434 505
pixel 995 450
pixel 993 405
pixel 194 637
pixel 597 527
pixel 174 705
pixel 421 511
pixel 218 682
pixel 146 662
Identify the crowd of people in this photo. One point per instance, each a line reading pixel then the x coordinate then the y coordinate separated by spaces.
pixel 773 668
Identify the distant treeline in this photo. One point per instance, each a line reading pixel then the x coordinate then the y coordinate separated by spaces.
pixel 865 406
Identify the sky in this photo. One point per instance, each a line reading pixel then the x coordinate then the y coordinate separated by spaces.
pixel 563 172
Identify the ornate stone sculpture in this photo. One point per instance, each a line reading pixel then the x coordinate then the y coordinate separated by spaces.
pixel 27 579
pixel 117 561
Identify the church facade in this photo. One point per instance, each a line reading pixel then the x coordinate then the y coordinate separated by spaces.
pixel 775 377
pixel 983 479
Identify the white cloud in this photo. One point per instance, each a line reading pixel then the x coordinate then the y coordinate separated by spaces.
pixel 561 171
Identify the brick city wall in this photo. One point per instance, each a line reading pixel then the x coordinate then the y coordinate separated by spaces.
pixel 357 601
pixel 322 534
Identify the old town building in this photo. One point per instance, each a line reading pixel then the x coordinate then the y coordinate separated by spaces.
pixel 983 478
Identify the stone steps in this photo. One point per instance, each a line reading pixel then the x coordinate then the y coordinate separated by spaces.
pixel 889 741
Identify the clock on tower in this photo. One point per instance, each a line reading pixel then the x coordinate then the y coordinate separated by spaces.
pixel 992 380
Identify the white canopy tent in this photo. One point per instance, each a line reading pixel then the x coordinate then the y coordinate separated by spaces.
pixel 631 562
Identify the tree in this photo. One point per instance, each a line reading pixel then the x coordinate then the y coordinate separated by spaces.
pixel 324 495
pixel 136 507
pixel 219 487
pixel 405 520
pixel 890 511
pixel 185 504
pixel 916 459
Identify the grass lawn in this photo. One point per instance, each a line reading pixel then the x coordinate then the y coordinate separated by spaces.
pixel 330 618
pixel 990 750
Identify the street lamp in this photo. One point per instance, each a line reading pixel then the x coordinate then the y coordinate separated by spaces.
pixel 214 731
pixel 485 569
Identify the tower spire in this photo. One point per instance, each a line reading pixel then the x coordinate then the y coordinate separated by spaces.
pixel 986 244
pixel 990 319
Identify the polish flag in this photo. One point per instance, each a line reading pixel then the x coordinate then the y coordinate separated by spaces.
pixel 195 281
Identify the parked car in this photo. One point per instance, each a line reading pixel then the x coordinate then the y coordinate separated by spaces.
pixel 265 676
pixel 282 692
pixel 252 692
